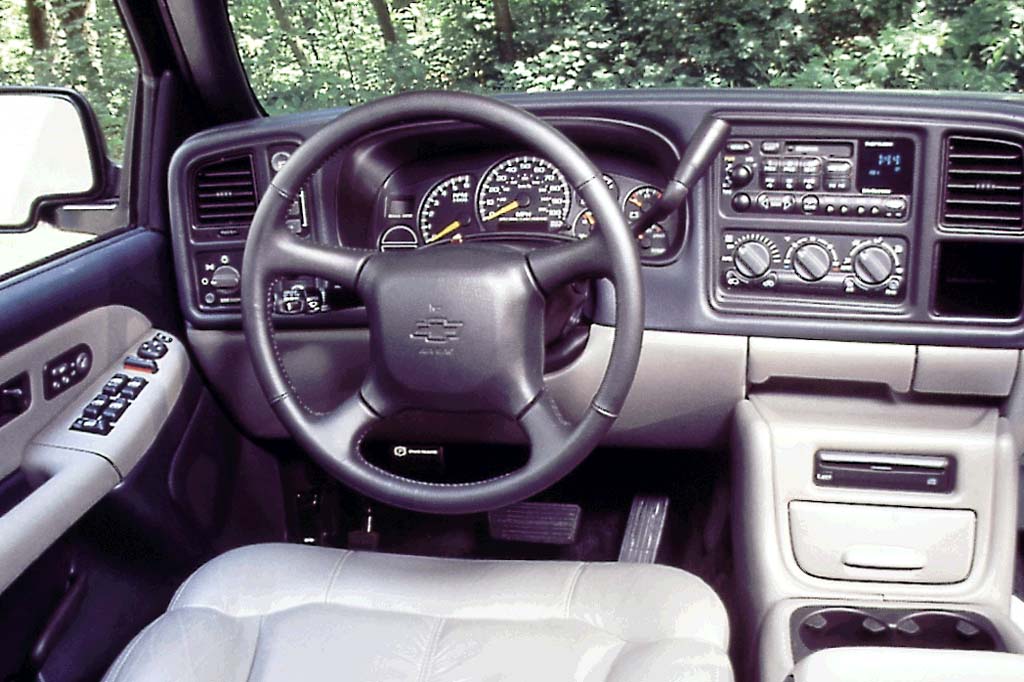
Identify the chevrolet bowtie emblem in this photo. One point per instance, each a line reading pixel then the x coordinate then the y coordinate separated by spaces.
pixel 439 330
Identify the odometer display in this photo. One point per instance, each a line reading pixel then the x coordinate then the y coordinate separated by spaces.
pixel 525 193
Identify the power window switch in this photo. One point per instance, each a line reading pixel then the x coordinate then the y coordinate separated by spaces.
pixel 134 387
pixel 97 427
pixel 95 406
pixel 115 409
pixel 115 384
pixel 141 364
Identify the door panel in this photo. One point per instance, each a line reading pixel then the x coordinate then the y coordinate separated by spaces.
pixel 96 531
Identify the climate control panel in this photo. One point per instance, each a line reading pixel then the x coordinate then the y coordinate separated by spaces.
pixel 854 267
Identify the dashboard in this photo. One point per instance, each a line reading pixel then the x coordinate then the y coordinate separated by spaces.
pixel 842 216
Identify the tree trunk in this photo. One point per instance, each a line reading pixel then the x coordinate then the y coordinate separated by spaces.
pixel 39 37
pixel 38 30
pixel 73 18
pixel 387 27
pixel 503 27
pixel 288 29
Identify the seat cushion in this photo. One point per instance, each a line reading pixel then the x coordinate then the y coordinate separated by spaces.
pixel 292 612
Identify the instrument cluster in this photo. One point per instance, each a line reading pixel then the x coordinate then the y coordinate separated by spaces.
pixel 512 195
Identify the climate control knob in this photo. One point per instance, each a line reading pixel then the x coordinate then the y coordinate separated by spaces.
pixel 873 265
pixel 226 278
pixel 811 262
pixel 752 259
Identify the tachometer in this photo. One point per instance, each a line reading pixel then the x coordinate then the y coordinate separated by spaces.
pixel 447 210
pixel 524 193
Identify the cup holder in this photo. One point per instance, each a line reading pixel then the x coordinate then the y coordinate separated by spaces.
pixel 816 628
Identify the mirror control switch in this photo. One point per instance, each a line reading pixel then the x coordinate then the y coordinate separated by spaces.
pixel 152 350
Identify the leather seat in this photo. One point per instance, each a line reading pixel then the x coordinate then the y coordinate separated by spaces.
pixel 292 612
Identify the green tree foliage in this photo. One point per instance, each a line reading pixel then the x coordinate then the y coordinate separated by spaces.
pixel 305 54
pixel 71 43
pixel 585 44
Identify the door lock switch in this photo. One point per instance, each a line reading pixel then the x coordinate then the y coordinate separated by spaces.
pixel 141 364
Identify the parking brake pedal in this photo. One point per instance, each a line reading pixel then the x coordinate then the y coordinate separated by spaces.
pixel 538 522
pixel 644 529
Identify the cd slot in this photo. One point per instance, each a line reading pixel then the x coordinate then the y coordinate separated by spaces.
pixel 885 471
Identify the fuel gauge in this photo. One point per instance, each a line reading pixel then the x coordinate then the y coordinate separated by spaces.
pixel 584 224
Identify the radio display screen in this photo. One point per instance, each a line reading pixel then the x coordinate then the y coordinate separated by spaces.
pixel 885 166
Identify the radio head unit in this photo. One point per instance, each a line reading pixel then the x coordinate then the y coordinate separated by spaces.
pixel 862 178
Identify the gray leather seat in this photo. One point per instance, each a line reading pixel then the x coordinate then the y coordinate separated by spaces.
pixel 291 612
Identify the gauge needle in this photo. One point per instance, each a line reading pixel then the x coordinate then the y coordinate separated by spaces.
pixel 510 206
pixel 446 230
pixel 635 200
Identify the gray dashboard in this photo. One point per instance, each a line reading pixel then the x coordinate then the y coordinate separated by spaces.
pixel 687 288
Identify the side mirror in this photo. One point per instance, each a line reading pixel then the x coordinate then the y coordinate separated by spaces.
pixel 53 151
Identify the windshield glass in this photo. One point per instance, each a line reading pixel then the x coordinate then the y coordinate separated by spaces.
pixel 305 54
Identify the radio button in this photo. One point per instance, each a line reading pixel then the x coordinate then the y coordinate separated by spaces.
pixel 741 202
pixel 771 147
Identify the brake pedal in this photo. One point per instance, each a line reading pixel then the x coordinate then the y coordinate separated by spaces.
pixel 644 529
pixel 544 523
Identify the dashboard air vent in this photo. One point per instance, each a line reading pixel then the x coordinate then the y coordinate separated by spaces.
pixel 984 179
pixel 225 193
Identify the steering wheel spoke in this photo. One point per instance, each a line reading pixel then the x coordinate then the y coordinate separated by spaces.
pixel 345 426
pixel 286 254
pixel 545 428
pixel 556 266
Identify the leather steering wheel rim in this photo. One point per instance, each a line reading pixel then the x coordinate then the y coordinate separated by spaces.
pixel 480 332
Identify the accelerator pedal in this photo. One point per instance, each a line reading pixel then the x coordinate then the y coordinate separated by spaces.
pixel 644 529
pixel 544 523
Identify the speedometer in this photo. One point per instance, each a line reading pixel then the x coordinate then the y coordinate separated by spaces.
pixel 524 193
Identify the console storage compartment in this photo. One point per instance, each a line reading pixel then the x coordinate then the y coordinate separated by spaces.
pixel 876 543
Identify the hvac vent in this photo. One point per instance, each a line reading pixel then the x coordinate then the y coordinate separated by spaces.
pixel 225 193
pixel 984 180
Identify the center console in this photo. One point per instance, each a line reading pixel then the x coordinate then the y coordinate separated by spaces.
pixel 875 500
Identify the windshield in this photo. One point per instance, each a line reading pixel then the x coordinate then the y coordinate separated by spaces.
pixel 304 54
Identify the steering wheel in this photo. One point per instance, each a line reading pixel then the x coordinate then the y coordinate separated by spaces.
pixel 458 327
